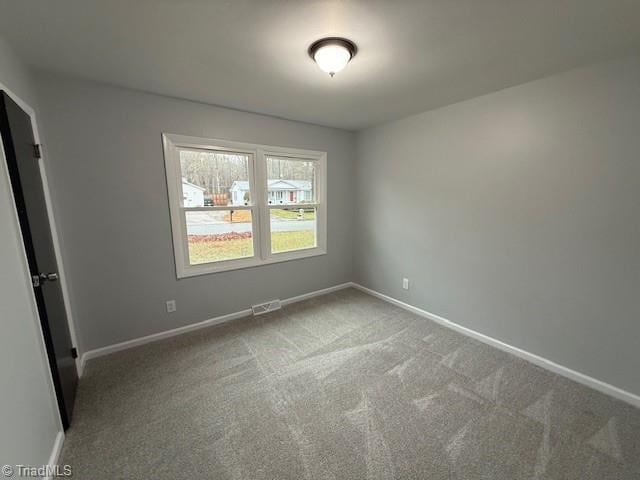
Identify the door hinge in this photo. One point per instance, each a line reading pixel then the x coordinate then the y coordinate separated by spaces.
pixel 36 151
pixel 74 352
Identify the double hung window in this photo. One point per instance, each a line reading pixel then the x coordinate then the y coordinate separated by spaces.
pixel 236 205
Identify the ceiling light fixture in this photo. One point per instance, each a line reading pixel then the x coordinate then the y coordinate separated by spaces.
pixel 332 54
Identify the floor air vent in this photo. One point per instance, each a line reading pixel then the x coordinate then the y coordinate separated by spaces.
pixel 266 307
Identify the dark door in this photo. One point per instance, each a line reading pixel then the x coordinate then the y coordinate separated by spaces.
pixel 22 158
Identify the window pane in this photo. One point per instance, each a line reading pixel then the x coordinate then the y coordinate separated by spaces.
pixel 214 178
pixel 290 181
pixel 219 235
pixel 292 229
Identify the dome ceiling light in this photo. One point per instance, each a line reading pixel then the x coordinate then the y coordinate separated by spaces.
pixel 332 54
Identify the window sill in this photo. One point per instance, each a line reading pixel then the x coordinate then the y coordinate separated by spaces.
pixel 253 262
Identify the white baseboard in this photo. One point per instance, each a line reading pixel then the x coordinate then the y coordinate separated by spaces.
pixel 99 352
pixel 316 293
pixel 55 452
pixel 530 357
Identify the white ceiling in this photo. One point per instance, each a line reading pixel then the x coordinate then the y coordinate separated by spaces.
pixel 252 55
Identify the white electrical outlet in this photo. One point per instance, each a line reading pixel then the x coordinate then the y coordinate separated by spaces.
pixel 405 283
pixel 171 306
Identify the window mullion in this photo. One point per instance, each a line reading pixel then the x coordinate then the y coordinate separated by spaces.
pixel 254 232
pixel 264 234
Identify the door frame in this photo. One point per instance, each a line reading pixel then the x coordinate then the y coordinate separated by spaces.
pixel 56 244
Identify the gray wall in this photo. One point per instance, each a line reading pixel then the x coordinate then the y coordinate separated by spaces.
pixel 28 417
pixel 109 190
pixel 516 214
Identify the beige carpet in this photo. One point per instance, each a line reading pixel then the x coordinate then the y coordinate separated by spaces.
pixel 343 386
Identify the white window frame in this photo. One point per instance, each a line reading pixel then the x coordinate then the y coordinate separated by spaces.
pixel 259 206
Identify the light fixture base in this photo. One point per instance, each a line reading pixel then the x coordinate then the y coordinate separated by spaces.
pixel 323 42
